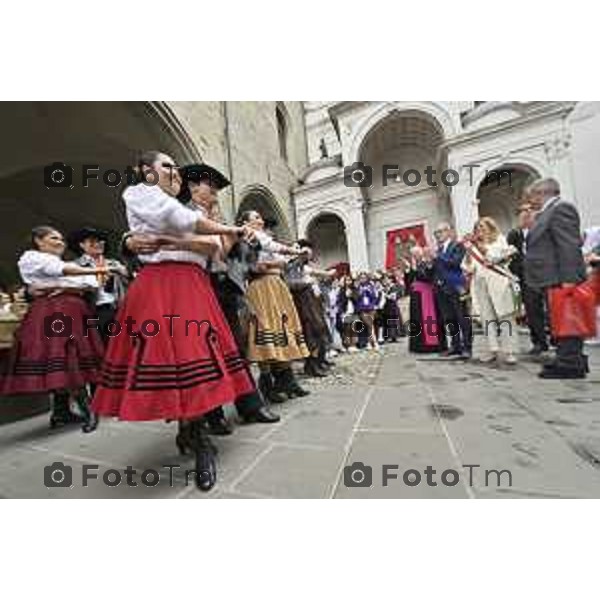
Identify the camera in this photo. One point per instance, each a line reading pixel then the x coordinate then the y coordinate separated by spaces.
pixel 358 475
pixel 58 475
pixel 58 175
pixel 358 175
pixel 58 325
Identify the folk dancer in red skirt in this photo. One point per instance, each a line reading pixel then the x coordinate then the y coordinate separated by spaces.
pixel 175 357
pixel 56 350
pixel 275 336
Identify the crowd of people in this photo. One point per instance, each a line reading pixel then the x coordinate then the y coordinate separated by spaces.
pixel 169 330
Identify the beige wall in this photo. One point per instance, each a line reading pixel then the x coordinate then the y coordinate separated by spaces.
pixel 112 134
pixel 254 158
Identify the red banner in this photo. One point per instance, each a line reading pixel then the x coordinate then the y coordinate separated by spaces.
pixel 400 241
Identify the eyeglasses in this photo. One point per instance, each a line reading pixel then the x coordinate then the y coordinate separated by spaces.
pixel 169 166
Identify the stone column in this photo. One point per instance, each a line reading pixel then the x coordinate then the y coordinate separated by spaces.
pixel 356 237
pixel 463 199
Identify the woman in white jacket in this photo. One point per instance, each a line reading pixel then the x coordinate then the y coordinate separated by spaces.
pixel 494 289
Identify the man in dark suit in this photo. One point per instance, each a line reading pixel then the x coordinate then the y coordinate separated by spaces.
pixel 554 259
pixel 450 288
pixel 533 299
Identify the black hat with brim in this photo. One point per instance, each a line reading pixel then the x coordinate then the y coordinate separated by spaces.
pixel 197 173
pixel 75 238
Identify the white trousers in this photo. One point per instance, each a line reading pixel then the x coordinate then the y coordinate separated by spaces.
pixel 501 332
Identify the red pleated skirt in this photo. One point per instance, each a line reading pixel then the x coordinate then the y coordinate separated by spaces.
pixel 181 369
pixel 54 349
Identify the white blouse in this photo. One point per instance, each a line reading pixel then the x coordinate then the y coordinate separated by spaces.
pixel 152 211
pixel 45 270
pixel 270 250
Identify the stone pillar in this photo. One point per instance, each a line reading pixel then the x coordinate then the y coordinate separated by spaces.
pixel 463 199
pixel 356 237
pixel 558 155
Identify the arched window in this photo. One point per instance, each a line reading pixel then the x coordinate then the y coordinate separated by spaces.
pixel 282 131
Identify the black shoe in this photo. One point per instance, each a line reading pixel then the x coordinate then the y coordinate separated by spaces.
pixel 219 425
pixel 185 443
pixel 88 418
pixel 261 415
pixel 537 351
pixel 559 372
pixel 322 361
pixel 61 411
pixel 285 382
pixel 311 368
pixel 206 470
pixel 268 390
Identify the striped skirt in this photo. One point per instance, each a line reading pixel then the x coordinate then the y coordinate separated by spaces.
pixel 275 332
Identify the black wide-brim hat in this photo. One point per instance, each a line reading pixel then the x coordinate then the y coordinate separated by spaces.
pixel 200 172
pixel 76 237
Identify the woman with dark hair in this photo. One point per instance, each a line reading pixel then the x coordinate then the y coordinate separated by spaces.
pixel 54 350
pixel 368 298
pixel 275 335
pixel 179 360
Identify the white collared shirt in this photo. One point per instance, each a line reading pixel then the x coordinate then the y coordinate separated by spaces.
pixel 45 270
pixel 150 210
pixel 270 250
pixel 102 296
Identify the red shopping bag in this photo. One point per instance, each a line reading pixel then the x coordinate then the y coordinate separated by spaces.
pixel 594 283
pixel 573 311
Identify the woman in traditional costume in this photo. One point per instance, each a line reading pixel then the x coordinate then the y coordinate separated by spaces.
pixel 177 359
pixel 57 349
pixel 302 278
pixel 275 336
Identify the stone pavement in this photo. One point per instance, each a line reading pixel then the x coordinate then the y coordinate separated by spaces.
pixel 378 408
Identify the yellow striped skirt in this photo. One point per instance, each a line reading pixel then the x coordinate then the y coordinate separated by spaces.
pixel 275 332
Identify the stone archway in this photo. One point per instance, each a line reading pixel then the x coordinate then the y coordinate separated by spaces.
pixel 261 199
pixel 327 232
pixel 498 195
pixel 107 134
pixel 409 145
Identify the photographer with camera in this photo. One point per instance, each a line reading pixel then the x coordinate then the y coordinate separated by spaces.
pixel 53 350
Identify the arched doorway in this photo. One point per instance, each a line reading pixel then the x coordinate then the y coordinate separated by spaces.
pixel 410 143
pixel 107 134
pixel 499 193
pixel 262 200
pixel 327 233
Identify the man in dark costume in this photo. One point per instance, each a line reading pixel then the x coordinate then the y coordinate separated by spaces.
pixel 229 274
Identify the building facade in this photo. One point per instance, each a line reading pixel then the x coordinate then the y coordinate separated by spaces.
pixel 426 162
pixel 261 146
pixel 290 160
